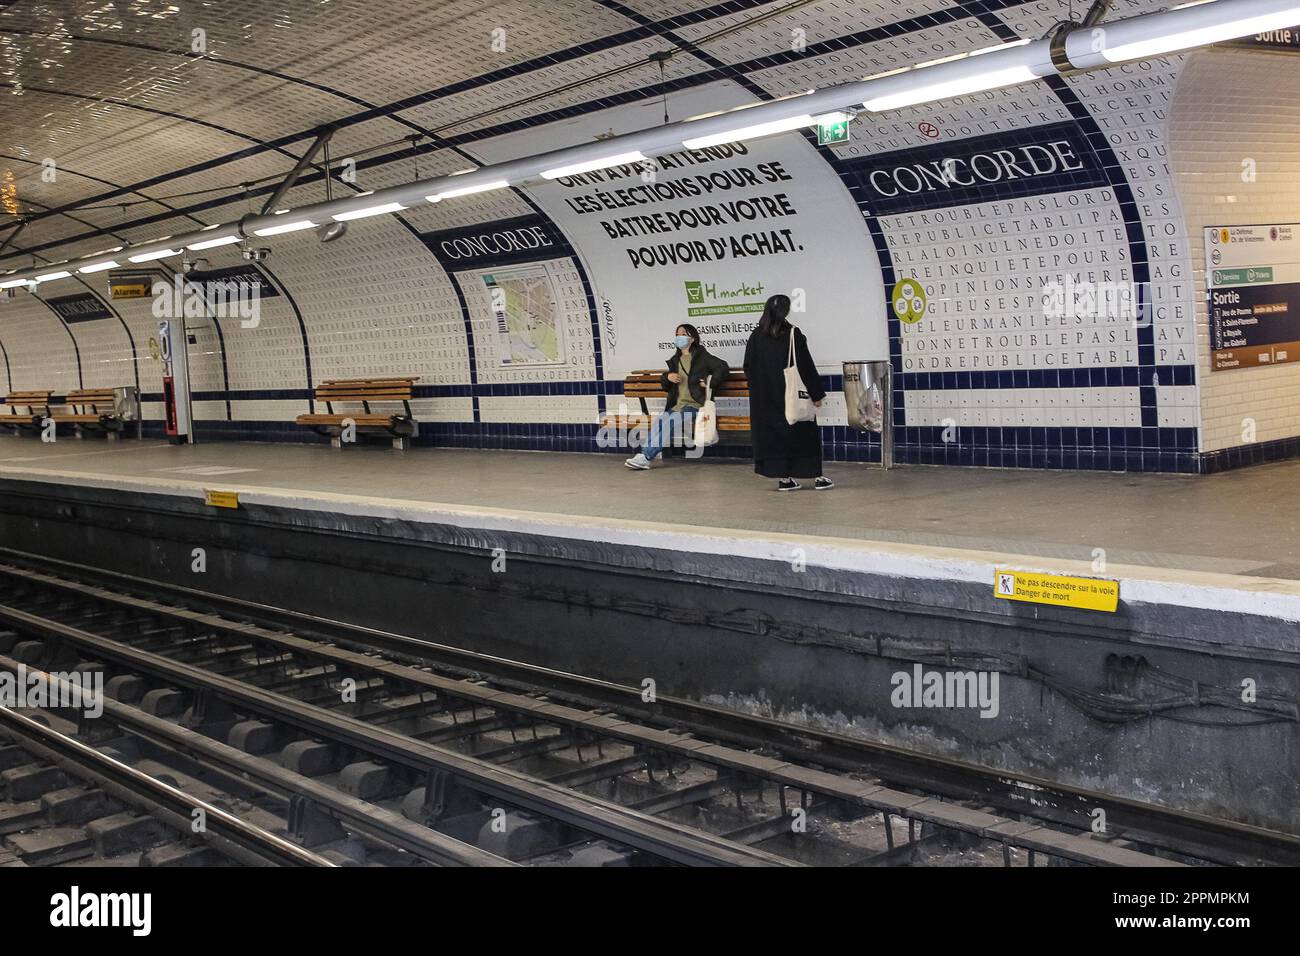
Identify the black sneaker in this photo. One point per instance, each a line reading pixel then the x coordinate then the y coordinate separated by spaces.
pixel 788 484
pixel 822 483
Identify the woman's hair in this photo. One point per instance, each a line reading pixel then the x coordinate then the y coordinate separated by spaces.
pixel 775 309
pixel 690 330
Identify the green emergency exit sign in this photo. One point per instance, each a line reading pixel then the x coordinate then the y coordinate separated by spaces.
pixel 831 129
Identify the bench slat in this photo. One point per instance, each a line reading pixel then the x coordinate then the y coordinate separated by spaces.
pixel 368 381
pixel 89 395
pixel 365 420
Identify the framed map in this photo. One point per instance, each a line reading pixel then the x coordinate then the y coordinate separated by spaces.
pixel 526 307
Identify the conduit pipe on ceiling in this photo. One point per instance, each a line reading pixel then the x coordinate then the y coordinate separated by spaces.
pixel 1072 48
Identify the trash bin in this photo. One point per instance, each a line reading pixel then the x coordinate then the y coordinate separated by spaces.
pixel 868 400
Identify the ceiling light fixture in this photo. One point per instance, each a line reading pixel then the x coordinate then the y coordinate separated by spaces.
pixel 368 211
pixel 151 256
pixel 285 227
pixel 590 166
pixel 468 190
pixel 1180 28
pixel 98 267
pixel 211 243
pixel 750 132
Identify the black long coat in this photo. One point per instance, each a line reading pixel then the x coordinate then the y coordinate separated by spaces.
pixel 781 450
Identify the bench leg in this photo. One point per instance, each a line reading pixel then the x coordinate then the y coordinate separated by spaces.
pixel 401 444
pixel 78 433
pixel 110 435
pixel 336 441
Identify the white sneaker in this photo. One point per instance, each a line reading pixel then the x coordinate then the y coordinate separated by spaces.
pixel 638 462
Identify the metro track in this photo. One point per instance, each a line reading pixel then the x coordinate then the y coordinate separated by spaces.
pixel 94 804
pixel 441 718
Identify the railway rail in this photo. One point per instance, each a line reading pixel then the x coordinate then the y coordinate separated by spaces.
pixel 65 801
pixel 533 766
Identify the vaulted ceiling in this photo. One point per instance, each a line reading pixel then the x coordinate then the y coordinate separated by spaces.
pixel 115 116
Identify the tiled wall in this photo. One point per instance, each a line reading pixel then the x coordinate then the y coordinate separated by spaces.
pixel 983 379
pixel 1234 107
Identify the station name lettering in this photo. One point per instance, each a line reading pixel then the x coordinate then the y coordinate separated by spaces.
pixel 999 165
pixel 497 243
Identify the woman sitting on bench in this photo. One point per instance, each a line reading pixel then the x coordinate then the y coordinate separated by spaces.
pixel 688 368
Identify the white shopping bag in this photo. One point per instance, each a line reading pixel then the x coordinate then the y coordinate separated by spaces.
pixel 798 406
pixel 706 419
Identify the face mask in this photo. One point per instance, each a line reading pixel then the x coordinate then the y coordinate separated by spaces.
pixel 683 341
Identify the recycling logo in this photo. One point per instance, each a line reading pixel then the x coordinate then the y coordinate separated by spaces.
pixel 909 301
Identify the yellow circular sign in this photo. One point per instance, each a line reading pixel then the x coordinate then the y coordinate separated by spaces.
pixel 909 300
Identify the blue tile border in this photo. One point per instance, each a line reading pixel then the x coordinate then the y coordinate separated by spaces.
pixel 1149 449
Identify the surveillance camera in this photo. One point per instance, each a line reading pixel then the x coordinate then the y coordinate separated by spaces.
pixel 196 265
pixel 257 255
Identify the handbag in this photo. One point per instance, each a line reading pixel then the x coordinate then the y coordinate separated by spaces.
pixel 706 419
pixel 798 406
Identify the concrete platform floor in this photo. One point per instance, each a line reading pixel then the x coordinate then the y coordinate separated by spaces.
pixel 1238 523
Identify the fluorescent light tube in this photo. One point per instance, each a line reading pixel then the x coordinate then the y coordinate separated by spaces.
pixel 591 165
pixel 945 89
pixel 1246 25
pixel 750 132
pixel 151 256
pixel 368 211
pixel 211 243
pixel 285 227
pixel 98 267
pixel 468 190
pixel 13 283
pixel 49 276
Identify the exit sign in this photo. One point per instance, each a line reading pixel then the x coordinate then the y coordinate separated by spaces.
pixel 831 129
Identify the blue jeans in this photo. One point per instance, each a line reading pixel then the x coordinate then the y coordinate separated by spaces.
pixel 662 429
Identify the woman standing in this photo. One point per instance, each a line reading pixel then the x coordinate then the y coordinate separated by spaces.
pixel 781 450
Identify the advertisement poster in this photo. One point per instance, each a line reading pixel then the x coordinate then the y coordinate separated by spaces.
pixel 1252 283
pixel 705 236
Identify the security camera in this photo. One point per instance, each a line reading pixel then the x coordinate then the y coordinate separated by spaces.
pixel 257 255
pixel 196 265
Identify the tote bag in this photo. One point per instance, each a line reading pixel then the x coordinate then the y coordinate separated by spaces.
pixel 706 419
pixel 798 406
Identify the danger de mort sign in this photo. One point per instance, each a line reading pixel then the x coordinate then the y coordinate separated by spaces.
pixel 1063 591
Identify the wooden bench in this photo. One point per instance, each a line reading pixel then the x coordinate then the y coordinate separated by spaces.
pixel 645 383
pixel 37 405
pixel 363 391
pixel 94 409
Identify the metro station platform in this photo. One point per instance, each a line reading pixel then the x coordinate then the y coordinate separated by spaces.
pixel 803 606
pixel 1231 530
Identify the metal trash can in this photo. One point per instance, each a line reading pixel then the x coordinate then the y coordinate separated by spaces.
pixel 869 402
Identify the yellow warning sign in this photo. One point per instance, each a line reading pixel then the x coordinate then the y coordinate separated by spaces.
pixel 221 499
pixel 1088 593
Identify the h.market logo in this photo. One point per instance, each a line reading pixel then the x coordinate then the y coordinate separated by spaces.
pixel 709 298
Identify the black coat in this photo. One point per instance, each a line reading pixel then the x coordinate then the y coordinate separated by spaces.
pixel 702 366
pixel 781 450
